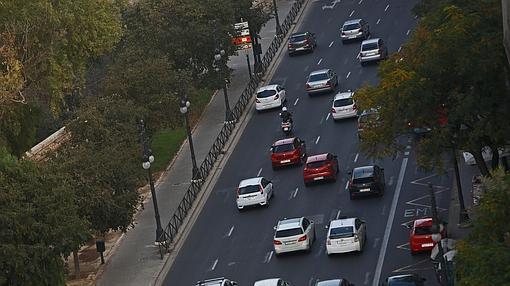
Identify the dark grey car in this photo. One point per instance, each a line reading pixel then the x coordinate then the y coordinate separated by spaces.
pixel 301 42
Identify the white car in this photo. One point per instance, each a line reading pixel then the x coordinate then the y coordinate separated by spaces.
pixel 372 50
pixel 344 106
pixel 346 235
pixel 272 282
pixel 270 96
pixel 222 281
pixel 254 191
pixel 294 234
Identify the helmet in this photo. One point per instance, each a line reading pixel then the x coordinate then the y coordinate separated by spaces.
pixel 284 108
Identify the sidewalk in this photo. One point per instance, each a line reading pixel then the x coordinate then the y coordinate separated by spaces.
pixel 135 260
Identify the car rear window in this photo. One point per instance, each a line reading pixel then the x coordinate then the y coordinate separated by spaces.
pixel 283 148
pixel 289 232
pixel 349 27
pixel 298 38
pixel 369 46
pixel 318 77
pixel 249 189
pixel 423 230
pixel 266 93
pixel 339 232
pixel 316 164
pixel 343 102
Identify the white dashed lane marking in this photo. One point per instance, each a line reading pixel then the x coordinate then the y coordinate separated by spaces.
pixel 214 264
pixel 356 158
pixel 327 117
pixel 351 13
pixel 331 44
pixel 317 141
pixel 230 231
pixel 399 49
pixel 260 171
pixel 320 61
pixel 295 193
pixel 408 31
pixel 348 74
pixel 378 21
pixel 295 102
pixel 346 185
pixel 360 1
pixel 338 214
pixel 387 6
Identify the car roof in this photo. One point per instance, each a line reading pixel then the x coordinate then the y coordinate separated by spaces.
pixel 289 223
pixel 342 222
pixel 319 71
pixel 370 41
pixel 267 87
pixel 343 95
pixel 284 141
pixel 267 282
pixel 250 182
pixel 363 172
pixel 332 282
pixel 298 34
pixel 318 157
pixel 353 21
pixel 423 222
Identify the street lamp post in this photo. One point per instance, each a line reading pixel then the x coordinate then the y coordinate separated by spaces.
pixel 219 67
pixel 463 214
pixel 437 237
pixel 184 107
pixel 277 20
pixel 148 159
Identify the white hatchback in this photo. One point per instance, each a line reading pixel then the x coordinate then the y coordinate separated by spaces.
pixel 346 235
pixel 344 106
pixel 270 96
pixel 272 282
pixel 254 191
pixel 294 234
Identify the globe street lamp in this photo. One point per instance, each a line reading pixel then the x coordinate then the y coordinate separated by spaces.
pixel 184 108
pixel 219 67
pixel 148 159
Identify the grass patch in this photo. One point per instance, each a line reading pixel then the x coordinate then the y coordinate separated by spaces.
pixel 165 145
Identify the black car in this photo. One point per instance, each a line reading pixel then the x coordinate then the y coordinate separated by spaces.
pixel 301 42
pixel 366 180
pixel 404 280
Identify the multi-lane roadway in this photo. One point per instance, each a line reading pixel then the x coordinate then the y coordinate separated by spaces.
pixel 238 245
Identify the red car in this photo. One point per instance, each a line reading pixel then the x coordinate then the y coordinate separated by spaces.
pixel 420 236
pixel 320 167
pixel 288 151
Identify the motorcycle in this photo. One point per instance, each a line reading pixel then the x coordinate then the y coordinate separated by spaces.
pixel 287 127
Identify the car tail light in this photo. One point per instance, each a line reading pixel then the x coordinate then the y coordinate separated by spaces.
pixel 356 237
pixel 303 238
pixel 276 96
pixel 277 242
pixel 257 100
pixel 333 110
pixel 328 241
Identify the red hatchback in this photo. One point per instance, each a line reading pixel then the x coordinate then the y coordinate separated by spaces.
pixel 320 167
pixel 420 236
pixel 288 151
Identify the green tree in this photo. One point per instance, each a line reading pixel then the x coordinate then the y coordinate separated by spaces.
pixel 40 223
pixel 484 255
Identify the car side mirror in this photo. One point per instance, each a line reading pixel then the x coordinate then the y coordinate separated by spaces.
pixel 326 226
pixel 275 227
pixel 271 149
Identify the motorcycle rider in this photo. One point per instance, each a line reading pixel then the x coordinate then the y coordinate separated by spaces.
pixel 286 115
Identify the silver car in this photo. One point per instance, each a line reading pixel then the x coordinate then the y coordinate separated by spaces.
pixel 372 50
pixel 294 234
pixel 321 81
pixel 354 29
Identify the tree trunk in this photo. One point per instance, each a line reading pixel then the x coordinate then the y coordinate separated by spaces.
pixel 76 264
pixel 480 162
pixel 495 158
pixel 504 162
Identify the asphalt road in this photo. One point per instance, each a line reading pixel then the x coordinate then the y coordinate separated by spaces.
pixel 224 242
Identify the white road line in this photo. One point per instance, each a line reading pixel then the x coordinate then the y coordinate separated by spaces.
pixel 230 231
pixel 317 141
pixel 360 2
pixel 295 102
pixel 327 117
pixel 351 13
pixel 338 214
pixel 408 31
pixel 367 274
pixel 378 21
pixel 270 255
pixel 214 264
pixel 348 74
pixel 260 171
pixel 356 158
pixel 331 44
pixel 295 193
pixel 346 185
pixel 387 6
pixel 399 49
pixel 389 223
pixel 320 61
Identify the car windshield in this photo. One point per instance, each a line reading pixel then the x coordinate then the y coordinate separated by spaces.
pixel 423 230
pixel 283 148
pixel 266 93
pixel 288 232
pixel 318 77
pixel 339 232
pixel 369 46
pixel 363 175
pixel 297 38
pixel 316 164
pixel 249 189
pixel 349 27
pixel 343 102
pixel 402 281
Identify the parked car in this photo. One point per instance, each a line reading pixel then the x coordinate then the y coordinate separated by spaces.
pixel 294 234
pixel 222 281
pixel 270 96
pixel 334 282
pixel 404 280
pixel 372 50
pixel 321 81
pixel 366 180
pixel 354 29
pixel 301 42
pixel 344 106
pixel 367 118
pixel 290 151
pixel 320 167
pixel 420 235
pixel 346 235
pixel 254 191
pixel 272 282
